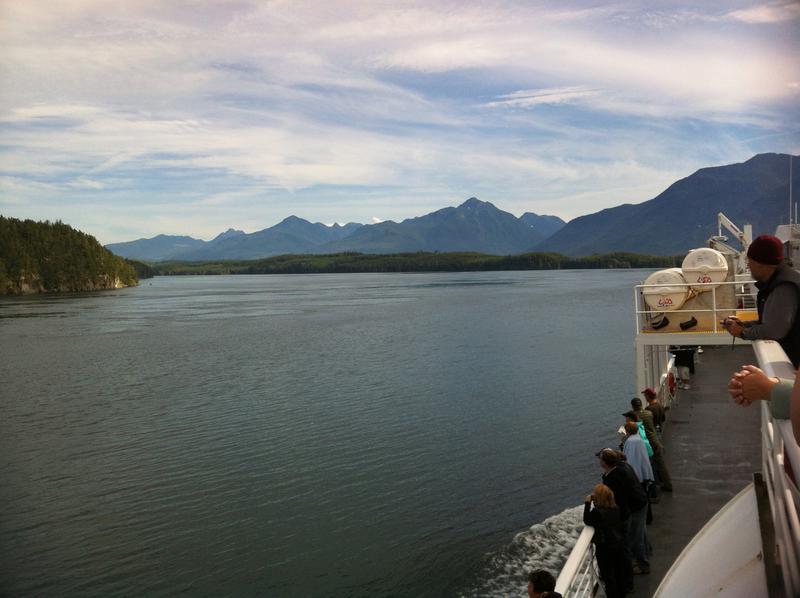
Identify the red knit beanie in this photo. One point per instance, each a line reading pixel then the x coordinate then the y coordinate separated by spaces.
pixel 766 249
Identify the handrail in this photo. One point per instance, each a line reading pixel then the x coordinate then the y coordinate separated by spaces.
pixel 781 457
pixel 579 577
pixel 693 284
pixel 641 309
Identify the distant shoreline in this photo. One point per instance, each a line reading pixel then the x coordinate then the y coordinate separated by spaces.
pixel 350 263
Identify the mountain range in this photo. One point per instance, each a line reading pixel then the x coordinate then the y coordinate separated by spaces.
pixel 473 226
pixel 679 219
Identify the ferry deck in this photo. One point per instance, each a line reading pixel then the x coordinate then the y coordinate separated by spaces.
pixel 712 448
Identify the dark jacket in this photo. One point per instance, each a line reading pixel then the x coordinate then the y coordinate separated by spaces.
pixel 606 523
pixel 628 492
pixel 658 414
pixel 783 275
pixel 684 357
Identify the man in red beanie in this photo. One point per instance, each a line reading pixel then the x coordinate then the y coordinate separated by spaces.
pixel 778 298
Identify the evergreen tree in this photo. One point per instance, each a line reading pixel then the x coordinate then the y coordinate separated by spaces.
pixel 53 257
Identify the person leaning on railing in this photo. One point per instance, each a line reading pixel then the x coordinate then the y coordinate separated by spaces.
pixel 660 465
pixel 751 384
pixel 654 407
pixel 632 502
pixel 608 538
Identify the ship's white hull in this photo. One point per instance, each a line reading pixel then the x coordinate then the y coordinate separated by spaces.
pixel 725 558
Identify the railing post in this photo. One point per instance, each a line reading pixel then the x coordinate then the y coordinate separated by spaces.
pixel 714 302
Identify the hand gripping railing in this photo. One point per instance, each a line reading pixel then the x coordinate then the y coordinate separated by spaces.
pixel 579 575
pixel 781 467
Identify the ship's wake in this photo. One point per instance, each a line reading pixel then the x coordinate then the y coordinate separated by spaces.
pixel 545 545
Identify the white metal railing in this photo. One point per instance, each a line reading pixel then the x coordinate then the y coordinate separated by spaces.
pixel 780 456
pixel 651 344
pixel 654 364
pixel 579 576
pixel 742 294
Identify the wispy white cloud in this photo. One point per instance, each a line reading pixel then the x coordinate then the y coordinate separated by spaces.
pixel 86 183
pixel 535 97
pixel 19 190
pixel 774 12
pixel 441 56
pixel 255 110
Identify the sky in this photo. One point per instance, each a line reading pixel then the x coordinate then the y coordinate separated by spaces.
pixel 128 119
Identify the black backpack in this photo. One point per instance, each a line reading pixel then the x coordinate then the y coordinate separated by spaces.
pixel 637 496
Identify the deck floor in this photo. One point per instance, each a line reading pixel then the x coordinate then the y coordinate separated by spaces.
pixel 713 447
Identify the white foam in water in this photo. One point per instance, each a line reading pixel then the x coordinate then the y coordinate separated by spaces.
pixel 545 545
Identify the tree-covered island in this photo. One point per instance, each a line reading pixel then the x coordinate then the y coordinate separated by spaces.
pixel 52 257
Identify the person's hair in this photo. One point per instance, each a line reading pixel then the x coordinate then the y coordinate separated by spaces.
pixel 608 456
pixel 631 428
pixel 603 496
pixel 636 402
pixel 543 581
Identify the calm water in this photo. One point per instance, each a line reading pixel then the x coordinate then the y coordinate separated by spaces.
pixel 323 435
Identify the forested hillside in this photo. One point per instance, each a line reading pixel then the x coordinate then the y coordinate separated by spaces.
pixel 46 257
pixel 414 262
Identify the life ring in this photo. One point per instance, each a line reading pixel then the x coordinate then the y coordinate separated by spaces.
pixel 671 383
